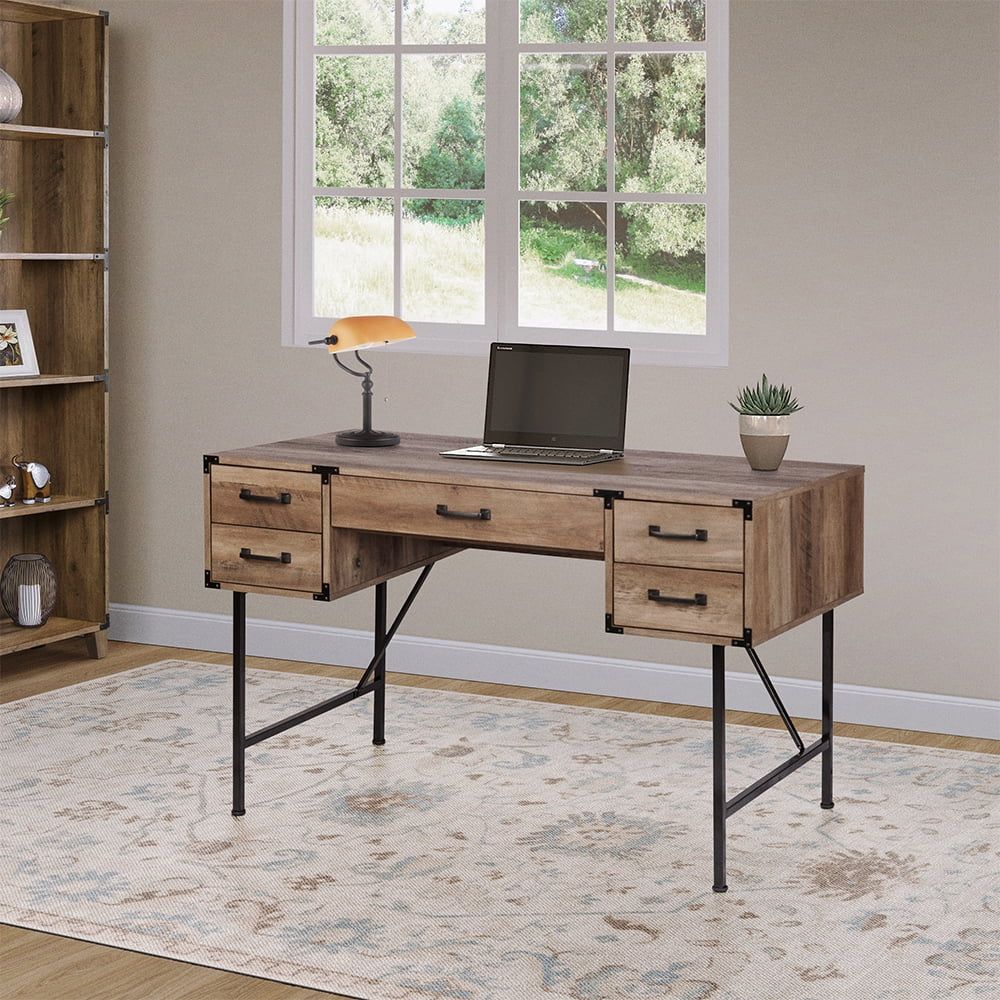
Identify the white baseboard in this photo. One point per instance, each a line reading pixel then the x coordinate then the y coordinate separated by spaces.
pixel 557 671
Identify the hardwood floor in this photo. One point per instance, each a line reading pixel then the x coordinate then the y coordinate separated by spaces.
pixel 40 966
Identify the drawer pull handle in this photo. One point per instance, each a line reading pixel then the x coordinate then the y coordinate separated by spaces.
pixel 701 600
pixel 285 557
pixel 245 494
pixel 698 535
pixel 483 514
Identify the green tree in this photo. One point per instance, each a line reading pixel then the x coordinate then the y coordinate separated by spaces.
pixel 354 121
pixel 454 159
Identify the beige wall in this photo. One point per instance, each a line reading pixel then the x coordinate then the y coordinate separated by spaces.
pixel 864 270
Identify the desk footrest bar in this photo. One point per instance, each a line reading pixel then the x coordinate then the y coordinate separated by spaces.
pixel 760 786
pixel 306 714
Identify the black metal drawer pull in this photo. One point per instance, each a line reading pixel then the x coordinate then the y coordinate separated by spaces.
pixel 699 535
pixel 701 600
pixel 483 514
pixel 245 494
pixel 285 557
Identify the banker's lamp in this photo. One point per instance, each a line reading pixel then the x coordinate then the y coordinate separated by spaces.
pixel 356 333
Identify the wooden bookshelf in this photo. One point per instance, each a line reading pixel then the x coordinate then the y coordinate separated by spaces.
pixel 53 264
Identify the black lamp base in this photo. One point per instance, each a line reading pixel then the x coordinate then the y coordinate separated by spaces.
pixel 367 439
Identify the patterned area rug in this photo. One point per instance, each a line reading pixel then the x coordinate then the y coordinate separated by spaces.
pixel 494 849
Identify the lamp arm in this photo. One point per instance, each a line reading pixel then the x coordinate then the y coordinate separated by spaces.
pixel 351 371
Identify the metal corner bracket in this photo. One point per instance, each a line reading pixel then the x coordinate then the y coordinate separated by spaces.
pixel 610 626
pixel 747 641
pixel 326 471
pixel 209 582
pixel 747 508
pixel 610 496
pixel 324 594
pixel 207 461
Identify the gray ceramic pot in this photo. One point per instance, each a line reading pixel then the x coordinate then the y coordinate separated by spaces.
pixel 10 98
pixel 764 440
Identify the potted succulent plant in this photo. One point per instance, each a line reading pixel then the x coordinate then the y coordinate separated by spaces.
pixel 764 411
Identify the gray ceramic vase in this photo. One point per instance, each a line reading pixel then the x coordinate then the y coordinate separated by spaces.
pixel 764 440
pixel 10 97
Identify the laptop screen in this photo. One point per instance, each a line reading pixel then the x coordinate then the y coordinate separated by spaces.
pixel 562 397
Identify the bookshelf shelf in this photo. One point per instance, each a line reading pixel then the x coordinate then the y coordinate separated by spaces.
pixel 30 133
pixel 57 503
pixel 13 638
pixel 31 381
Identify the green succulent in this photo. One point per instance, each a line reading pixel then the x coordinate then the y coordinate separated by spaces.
pixel 6 197
pixel 765 400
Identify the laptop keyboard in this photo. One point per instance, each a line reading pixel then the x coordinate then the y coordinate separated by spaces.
pixel 525 452
pixel 557 456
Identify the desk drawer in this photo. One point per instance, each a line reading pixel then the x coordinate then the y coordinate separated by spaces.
pixel 651 596
pixel 263 557
pixel 267 498
pixel 516 518
pixel 679 534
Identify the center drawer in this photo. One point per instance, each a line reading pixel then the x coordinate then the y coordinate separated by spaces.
pixel 521 518
pixel 679 534
pixel 267 498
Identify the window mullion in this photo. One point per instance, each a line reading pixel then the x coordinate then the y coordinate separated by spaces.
pixel 502 176
pixel 397 202
pixel 610 185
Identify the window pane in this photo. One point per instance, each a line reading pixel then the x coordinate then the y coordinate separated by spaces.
pixel 660 123
pixel 660 20
pixel 352 257
pixel 562 277
pixel 354 121
pixel 445 22
pixel 563 124
pixel 564 20
pixel 355 22
pixel 444 251
pixel 444 109
pixel 660 268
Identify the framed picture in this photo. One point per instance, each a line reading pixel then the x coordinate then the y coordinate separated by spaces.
pixel 17 350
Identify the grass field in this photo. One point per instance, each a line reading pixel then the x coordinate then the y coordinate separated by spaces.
pixel 443 277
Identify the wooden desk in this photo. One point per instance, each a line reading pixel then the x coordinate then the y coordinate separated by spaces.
pixel 696 547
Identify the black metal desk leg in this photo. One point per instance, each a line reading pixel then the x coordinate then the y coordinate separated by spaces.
pixel 719 766
pixel 239 699
pixel 826 802
pixel 381 600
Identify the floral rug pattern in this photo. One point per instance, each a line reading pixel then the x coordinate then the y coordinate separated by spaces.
pixel 494 849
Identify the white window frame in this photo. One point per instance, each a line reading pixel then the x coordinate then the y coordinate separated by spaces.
pixel 502 192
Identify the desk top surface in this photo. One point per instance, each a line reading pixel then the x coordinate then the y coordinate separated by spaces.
pixel 712 479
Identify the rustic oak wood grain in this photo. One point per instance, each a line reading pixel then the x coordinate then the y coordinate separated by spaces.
pixel 704 479
pixel 804 555
pixel 59 58
pixel 27 13
pixel 722 548
pixel 722 615
pixel 304 571
pixel 359 559
pixel 64 300
pixel 528 520
pixel 303 512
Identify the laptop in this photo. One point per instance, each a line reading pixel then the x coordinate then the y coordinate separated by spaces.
pixel 553 405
